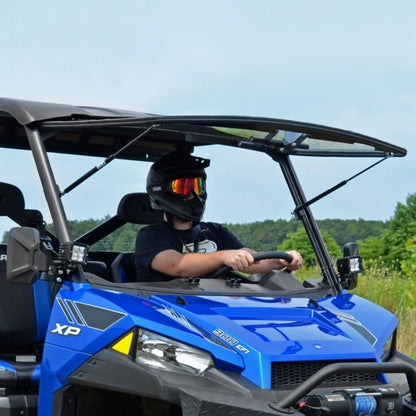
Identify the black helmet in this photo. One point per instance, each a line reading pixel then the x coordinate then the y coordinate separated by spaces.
pixel 172 179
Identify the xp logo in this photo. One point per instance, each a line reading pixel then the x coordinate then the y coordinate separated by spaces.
pixel 66 330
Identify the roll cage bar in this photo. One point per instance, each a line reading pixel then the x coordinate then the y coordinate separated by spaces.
pixel 44 128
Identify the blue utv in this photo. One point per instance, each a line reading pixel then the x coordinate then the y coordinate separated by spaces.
pixel 79 336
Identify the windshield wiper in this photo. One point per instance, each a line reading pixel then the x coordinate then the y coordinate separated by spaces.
pixel 334 188
pixel 106 161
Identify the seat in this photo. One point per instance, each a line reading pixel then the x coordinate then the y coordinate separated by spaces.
pixel 133 208
pixel 123 267
pixel 24 310
pixel 99 268
pixel 24 317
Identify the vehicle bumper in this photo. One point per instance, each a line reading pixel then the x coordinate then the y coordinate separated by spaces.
pixel 219 393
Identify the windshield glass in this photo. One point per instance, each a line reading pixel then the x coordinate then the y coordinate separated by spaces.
pixel 320 143
pixel 325 145
pixel 236 194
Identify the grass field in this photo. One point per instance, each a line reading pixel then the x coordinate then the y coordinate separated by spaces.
pixel 395 293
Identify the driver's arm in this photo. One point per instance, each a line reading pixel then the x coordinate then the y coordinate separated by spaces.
pixel 173 263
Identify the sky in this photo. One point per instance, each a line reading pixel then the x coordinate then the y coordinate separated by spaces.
pixel 350 65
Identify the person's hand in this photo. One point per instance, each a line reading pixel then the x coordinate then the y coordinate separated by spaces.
pixel 296 262
pixel 237 259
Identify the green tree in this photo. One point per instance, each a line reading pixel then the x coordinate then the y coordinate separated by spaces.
pixel 346 231
pixel 299 241
pixel 408 264
pixel 265 235
pixel 371 248
pixel 402 228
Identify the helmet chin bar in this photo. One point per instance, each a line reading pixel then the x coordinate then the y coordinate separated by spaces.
pixel 192 213
pixel 198 207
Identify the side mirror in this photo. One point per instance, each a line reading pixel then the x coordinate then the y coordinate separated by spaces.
pixel 25 257
pixel 349 266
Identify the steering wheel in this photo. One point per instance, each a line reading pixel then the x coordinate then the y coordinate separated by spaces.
pixel 262 255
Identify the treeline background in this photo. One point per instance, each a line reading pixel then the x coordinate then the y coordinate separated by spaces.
pixel 261 236
pixel 391 243
pixel 270 235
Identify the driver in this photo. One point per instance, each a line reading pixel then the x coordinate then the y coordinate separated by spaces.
pixel 181 245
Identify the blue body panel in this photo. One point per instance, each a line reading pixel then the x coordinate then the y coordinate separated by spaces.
pixel 43 306
pixel 243 335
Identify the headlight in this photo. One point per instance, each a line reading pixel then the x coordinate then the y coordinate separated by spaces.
pixel 158 351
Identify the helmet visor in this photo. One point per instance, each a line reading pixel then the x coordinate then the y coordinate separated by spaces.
pixel 184 186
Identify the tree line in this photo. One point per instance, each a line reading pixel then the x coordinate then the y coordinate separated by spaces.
pixel 269 235
pixel 261 235
pixel 391 243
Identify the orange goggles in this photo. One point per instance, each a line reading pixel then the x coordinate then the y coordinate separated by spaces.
pixel 184 186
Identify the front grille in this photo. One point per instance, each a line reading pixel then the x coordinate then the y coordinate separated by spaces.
pixel 287 374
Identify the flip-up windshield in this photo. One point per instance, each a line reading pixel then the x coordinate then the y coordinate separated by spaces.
pixel 312 140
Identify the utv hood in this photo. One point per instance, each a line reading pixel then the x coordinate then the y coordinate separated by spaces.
pixel 266 330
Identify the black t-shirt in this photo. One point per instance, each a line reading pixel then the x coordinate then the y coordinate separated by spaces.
pixel 203 238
